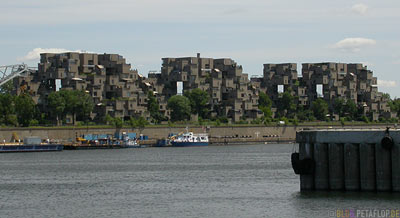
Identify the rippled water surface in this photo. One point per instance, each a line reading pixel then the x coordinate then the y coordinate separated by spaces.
pixel 214 181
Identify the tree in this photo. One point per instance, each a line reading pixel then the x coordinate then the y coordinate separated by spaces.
pixel 198 102
pixel 320 108
pixel 180 106
pixel 339 105
pixel 264 100
pixel 85 105
pixel 72 103
pixel 141 123
pixel 305 114
pixel 108 119
pixel 395 105
pixel 78 104
pixel 154 108
pixel 286 104
pixel 386 96
pixel 25 108
pixel 7 88
pixel 118 123
pixel 57 104
pixel 351 109
pixel 7 110
pixel 264 104
pixel 132 122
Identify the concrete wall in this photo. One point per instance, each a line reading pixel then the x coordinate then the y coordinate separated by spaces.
pixel 351 160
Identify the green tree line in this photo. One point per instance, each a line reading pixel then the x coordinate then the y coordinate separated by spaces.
pixel 22 111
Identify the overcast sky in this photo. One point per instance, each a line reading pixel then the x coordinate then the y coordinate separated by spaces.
pixel 252 32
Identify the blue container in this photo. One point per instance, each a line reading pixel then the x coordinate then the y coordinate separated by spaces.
pixel 102 136
pixel 118 135
pixel 131 135
pixel 88 137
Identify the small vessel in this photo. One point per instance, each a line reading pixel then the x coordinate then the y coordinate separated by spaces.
pixel 189 139
pixel 128 142
pixel 30 144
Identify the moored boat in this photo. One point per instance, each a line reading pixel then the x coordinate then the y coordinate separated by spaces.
pixel 190 139
pixel 30 144
pixel 106 141
pixel 130 143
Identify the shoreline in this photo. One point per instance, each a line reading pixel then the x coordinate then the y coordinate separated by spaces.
pixel 217 135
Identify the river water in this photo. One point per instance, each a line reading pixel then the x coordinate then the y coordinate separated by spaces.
pixel 213 181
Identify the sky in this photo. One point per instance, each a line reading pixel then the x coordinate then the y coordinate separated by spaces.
pixel 251 32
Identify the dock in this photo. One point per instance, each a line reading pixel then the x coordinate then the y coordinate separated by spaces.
pixel 348 159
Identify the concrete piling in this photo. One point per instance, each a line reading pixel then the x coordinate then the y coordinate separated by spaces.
pixel 396 168
pixel 351 160
pixel 367 167
pixel 306 151
pixel 351 167
pixel 321 175
pixel 383 165
pixel 336 166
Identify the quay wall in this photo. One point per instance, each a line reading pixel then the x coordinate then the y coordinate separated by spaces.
pixel 348 159
pixel 218 134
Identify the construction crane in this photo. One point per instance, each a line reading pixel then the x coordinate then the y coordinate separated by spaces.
pixel 8 72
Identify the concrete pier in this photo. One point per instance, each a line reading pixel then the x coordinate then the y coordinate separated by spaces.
pixel 367 169
pixel 351 167
pixel 336 166
pixel 383 159
pixel 351 159
pixel 396 167
pixel 307 180
pixel 321 173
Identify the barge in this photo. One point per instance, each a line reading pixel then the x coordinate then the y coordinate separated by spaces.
pixel 105 141
pixel 31 144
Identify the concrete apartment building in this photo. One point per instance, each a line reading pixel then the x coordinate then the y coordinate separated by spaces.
pixel 120 91
pixel 116 89
pixel 230 91
pixel 336 80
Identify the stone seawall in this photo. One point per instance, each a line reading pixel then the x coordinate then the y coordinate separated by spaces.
pixel 219 134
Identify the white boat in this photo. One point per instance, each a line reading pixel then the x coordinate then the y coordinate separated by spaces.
pixel 190 139
pixel 130 143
